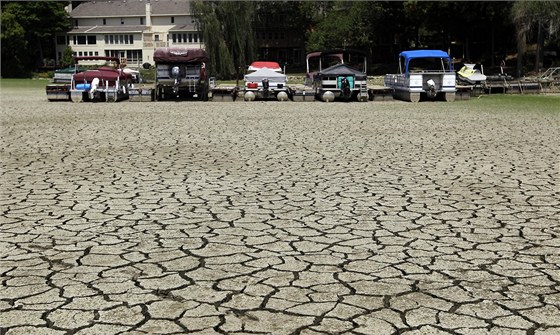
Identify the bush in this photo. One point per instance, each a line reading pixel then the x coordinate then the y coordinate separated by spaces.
pixel 44 75
pixel 148 74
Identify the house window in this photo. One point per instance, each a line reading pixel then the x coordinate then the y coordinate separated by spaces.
pixel 130 39
pixel 190 38
pixel 106 39
pixel 111 39
pixel 74 40
pixel 174 38
pixel 91 39
pixel 156 37
pixel 133 56
pixel 142 21
pixel 125 39
pixel 121 39
pixel 173 19
pixel 82 39
pixel 104 21
pixel 75 23
pixel 195 38
pixel 97 53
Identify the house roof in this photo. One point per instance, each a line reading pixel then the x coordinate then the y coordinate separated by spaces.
pixel 123 8
pixel 184 27
pixel 107 29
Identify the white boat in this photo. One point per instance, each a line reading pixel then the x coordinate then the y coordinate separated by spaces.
pixel 423 74
pixel 266 83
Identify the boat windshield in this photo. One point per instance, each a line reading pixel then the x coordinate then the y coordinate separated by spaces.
pixel 314 64
pixel 331 60
pixel 417 65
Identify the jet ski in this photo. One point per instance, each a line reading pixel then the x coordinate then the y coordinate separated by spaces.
pixel 470 74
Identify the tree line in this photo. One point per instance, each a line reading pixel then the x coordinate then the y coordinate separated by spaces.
pixel 476 31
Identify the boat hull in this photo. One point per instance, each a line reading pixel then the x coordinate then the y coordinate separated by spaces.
pixel 430 85
pixel 100 95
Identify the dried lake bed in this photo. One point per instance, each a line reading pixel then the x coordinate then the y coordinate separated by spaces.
pixel 279 217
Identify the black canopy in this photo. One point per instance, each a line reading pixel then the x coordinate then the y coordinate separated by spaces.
pixel 343 70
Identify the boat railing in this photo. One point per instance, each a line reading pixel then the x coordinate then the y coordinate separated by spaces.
pixel 429 71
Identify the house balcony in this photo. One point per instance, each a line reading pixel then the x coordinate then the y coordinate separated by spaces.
pixel 155 44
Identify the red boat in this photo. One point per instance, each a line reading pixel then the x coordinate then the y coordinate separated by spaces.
pixel 105 83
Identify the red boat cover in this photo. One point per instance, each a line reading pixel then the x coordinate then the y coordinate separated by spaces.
pixel 262 64
pixel 103 73
pixel 180 55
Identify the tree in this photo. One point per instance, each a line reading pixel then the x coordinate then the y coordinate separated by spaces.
pixel 342 26
pixel 67 57
pixel 228 34
pixel 544 16
pixel 28 33
pixel 14 45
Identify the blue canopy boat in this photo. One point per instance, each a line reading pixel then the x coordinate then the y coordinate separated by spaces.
pixel 423 74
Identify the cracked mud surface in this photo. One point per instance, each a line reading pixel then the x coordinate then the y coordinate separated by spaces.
pixel 278 218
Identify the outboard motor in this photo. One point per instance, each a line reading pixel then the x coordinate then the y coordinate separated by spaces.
pixel 266 86
pixel 432 92
pixel 345 87
pixel 93 93
pixel 176 74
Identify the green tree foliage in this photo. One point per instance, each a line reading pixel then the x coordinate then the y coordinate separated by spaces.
pixel 228 34
pixel 67 57
pixel 28 32
pixel 14 46
pixel 441 23
pixel 343 25
pixel 528 16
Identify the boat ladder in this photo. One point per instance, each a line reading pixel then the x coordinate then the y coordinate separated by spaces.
pixel 192 84
pixel 363 93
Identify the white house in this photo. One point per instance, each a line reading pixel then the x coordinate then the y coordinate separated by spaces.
pixel 129 29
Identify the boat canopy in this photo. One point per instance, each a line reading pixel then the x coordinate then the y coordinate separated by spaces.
pixel 415 54
pixel 103 73
pixel 264 64
pixel 265 73
pixel 343 70
pixel 408 55
pixel 109 59
pixel 180 55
